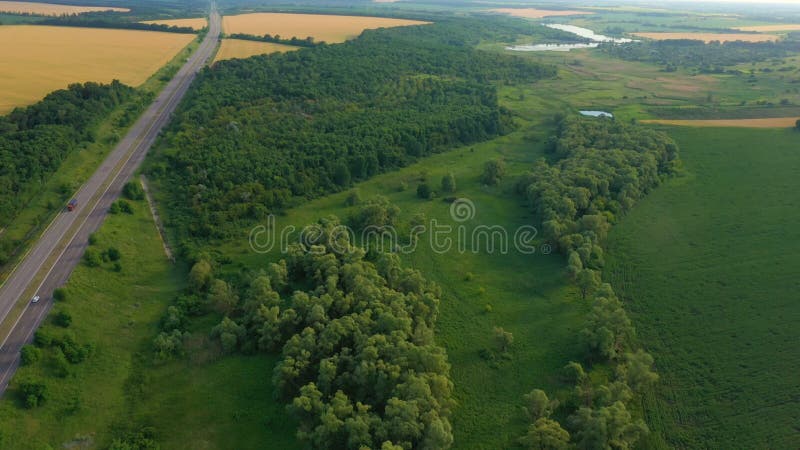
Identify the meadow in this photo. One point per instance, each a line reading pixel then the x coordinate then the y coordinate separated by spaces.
pixel 48 58
pixel 705 266
pixel 195 23
pixel 50 9
pixel 240 48
pixel 771 28
pixel 709 37
pixel 323 28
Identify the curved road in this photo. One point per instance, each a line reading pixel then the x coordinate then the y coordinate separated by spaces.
pixel 51 260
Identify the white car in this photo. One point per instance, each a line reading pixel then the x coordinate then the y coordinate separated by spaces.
pixel 35 299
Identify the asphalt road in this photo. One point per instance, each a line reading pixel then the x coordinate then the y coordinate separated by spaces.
pixel 52 259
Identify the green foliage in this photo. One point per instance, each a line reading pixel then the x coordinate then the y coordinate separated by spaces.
pixel 376 212
pixel 133 191
pixel 30 355
pixel 503 339
pixel 93 239
pixel 351 316
pixel 62 319
pixel 449 183
pixel 168 345
pixel 144 439
pixel 353 199
pixel 424 191
pixel 712 57
pixel 546 434
pixel 200 276
pixel 607 427
pixel 121 206
pixel 302 124
pixel 59 294
pixel 92 257
pixel 222 297
pixel 493 172
pixel 36 139
pixel 33 393
pixel 113 254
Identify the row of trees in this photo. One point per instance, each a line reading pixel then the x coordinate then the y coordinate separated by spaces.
pixel 277 39
pixel 259 134
pixel 600 169
pixel 359 367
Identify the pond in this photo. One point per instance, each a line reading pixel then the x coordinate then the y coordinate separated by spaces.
pixel 582 32
pixel 596 113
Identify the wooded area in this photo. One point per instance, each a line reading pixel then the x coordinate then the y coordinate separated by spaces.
pixel 259 134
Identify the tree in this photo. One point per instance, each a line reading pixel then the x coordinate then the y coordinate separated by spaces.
pixel 503 339
pixel 546 434
pixel 33 393
pixel 574 265
pixel 222 297
pixel 537 405
pixel 29 355
pixel 797 125
pixel 62 319
pixel 588 280
pixel 113 254
pixel 92 258
pixel 610 427
pixel 200 276
pixel 133 191
pixel 230 334
pixel 493 172
pixel 424 191
pixel 636 370
pixel 59 294
pixel 449 183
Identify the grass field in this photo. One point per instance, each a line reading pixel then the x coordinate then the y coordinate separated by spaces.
pixel 778 122
pixel 50 9
pixel 533 13
pixel 239 48
pixel 323 28
pixel 710 37
pixel 707 267
pixel 203 402
pixel 48 58
pixel 197 23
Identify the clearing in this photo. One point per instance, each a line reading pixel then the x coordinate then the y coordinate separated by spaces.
pixel 50 9
pixel 710 37
pixel 780 122
pixel 197 23
pixel 533 13
pixel 706 267
pixel 49 58
pixel 240 48
pixel 323 28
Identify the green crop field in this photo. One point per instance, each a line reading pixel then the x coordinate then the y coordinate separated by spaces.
pixel 707 267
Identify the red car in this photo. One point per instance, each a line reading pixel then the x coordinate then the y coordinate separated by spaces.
pixel 72 205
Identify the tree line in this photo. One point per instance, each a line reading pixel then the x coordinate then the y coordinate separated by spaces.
pixel 598 169
pixel 108 22
pixel 712 57
pixel 34 140
pixel 259 134
pixel 277 39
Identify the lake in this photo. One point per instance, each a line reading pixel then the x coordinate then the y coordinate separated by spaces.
pixel 582 32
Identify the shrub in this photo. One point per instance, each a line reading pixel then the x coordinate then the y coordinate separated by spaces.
pixel 113 254
pixel 353 199
pixel 29 355
pixel 62 319
pixel 133 191
pixel 493 172
pixel 92 258
pixel 449 183
pixel 33 393
pixel 60 294
pixel 93 239
pixel 424 191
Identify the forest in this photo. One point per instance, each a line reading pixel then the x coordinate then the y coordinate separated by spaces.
pixel 34 140
pixel 712 57
pixel 257 135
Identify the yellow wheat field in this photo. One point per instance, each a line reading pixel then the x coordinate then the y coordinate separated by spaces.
pixel 196 24
pixel 771 28
pixel 325 28
pixel 49 9
pixel 780 122
pixel 709 37
pixel 239 48
pixel 533 13
pixel 44 58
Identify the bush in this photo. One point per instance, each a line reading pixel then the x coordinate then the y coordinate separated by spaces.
pixel 93 239
pixel 33 393
pixel 493 172
pixel 133 191
pixel 424 191
pixel 121 206
pixel 113 254
pixel 449 183
pixel 62 319
pixel 92 258
pixel 60 294
pixel 29 355
pixel 353 199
